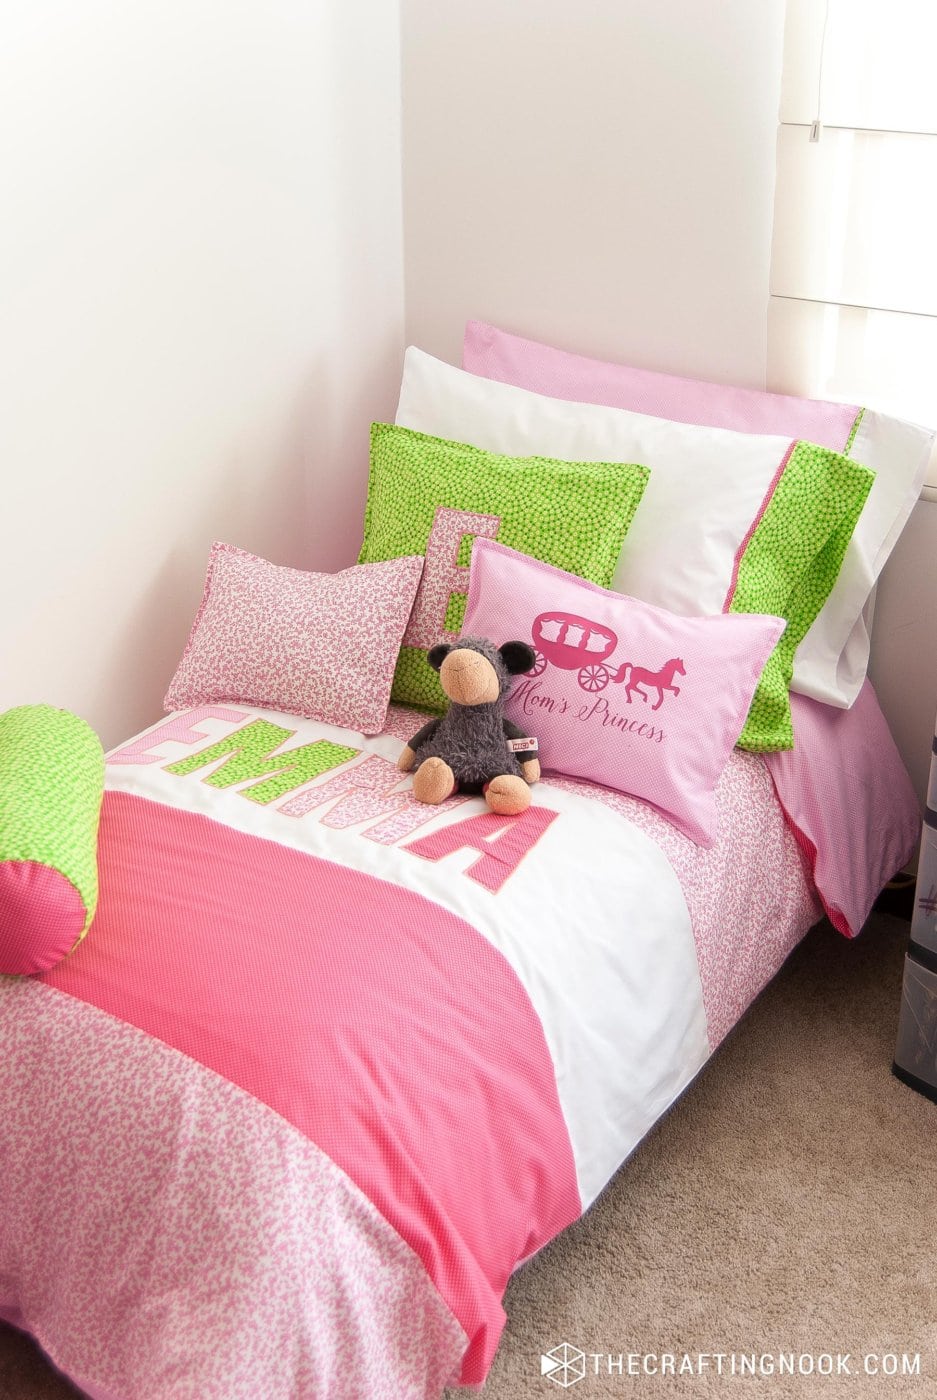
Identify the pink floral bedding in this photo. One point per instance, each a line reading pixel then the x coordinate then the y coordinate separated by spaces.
pixel 331 1064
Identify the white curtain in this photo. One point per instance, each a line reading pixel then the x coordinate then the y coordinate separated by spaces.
pixel 853 309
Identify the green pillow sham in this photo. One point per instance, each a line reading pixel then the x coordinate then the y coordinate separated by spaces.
pixel 429 496
pixel 788 568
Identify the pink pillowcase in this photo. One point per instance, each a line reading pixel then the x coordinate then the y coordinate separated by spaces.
pixel 320 645
pixel 849 801
pixel 623 693
pixel 511 359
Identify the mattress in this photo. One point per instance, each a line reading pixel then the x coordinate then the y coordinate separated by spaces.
pixel 331 1065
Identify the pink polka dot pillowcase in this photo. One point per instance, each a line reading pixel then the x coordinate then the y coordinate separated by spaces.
pixel 319 645
pixel 623 693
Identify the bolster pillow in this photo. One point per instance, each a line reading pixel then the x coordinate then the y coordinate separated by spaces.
pixel 51 788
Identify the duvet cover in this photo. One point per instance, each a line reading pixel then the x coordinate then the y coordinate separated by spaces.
pixel 331 1064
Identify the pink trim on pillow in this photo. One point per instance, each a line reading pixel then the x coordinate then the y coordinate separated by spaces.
pixel 496 354
pixel 740 552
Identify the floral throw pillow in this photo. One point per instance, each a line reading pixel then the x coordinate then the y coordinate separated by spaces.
pixel 319 645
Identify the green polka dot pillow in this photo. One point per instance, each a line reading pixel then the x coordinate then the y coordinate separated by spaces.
pixel 432 496
pixel 730 521
pixel 789 564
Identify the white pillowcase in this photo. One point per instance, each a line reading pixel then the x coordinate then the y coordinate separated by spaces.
pixel 706 489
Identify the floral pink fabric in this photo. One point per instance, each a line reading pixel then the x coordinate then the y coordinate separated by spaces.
pixel 200 1247
pixel 294 977
pixel 320 645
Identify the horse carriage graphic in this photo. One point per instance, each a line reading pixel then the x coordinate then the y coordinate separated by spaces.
pixel 573 643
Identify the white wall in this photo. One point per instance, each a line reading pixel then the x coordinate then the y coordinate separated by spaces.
pixel 201 278
pixel 599 175
pixel 202 309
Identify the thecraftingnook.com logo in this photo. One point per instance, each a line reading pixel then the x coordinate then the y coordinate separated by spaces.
pixel 564 1365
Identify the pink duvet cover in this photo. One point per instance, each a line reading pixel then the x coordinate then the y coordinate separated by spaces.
pixel 330 1064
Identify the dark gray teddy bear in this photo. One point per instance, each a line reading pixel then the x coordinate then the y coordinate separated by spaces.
pixel 469 748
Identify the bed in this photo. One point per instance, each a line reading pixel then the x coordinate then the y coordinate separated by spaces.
pixel 331 1063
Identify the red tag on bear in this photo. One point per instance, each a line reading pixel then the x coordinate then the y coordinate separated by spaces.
pixel 522 745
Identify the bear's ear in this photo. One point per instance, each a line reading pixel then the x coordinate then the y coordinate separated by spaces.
pixel 518 657
pixel 437 654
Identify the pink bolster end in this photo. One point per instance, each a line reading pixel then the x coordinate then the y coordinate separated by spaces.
pixel 41 916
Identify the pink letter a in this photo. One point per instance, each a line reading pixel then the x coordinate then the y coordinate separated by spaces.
pixel 502 842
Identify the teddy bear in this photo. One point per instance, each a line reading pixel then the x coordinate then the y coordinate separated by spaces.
pixel 473 748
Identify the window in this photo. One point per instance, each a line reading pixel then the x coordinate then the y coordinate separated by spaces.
pixel 853 308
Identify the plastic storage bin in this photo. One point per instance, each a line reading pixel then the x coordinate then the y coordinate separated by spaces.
pixel 916 1047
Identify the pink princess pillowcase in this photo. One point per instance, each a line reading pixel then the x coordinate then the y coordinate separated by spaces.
pixel 623 693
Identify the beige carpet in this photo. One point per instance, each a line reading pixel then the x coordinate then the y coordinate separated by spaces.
pixel 787 1204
